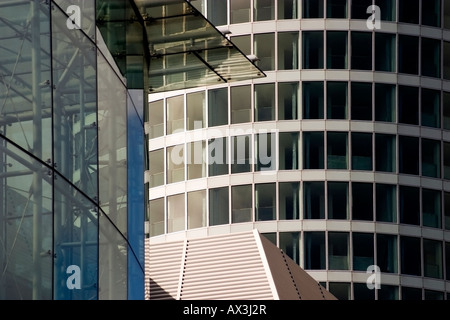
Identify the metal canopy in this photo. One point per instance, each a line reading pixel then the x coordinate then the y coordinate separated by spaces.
pixel 184 49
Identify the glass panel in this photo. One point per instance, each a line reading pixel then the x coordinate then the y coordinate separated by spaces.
pixel 156 119
pixel 431 13
pixel 312 8
pixel 265 202
pixel 340 290
pixel 359 9
pixel 290 244
pixel 313 150
pixel 337 150
pixel 362 49
pixel 338 251
pixel 384 102
pixel 337 9
pixel 175 114
pixel 363 251
pixel 447 210
pixel 196 166
pixel 431 158
pixel 156 170
pixel 241 156
pixel 337 200
pixel 241 110
pixel 240 11
pixel 288 101
pixel 431 108
pixel 410 257
pixel 265 50
pixel 446 60
pixel 241 204
pixel 362 201
pixel 409 198
pixel 288 205
pixel 388 8
pixel 217 12
pixel 337 100
pixel 408 54
pixel 411 293
pixel 175 164
pixel 361 101
pixel 447 260
pixel 313 100
pixel 218 107
pixel 447 14
pixel 175 213
pixel 431 58
pixel 271 236
pixel 264 10
pixel 196 110
pixel 362 151
pixel 219 206
pixel 388 292
pixel 288 152
pixel 218 156
pixel 264 102
pixel 387 253
pixel 287 50
pixel 386 202
pixel 337 49
pixel 362 292
pixel 408 11
pixel 314 200
pixel 408 105
pixel 446 112
pixel 156 217
pixel 314 251
pixel 385 52
pixel 432 259
pixel 433 295
pixel 265 151
pixel 244 43
pixel 408 155
pixel 313 49
pixel 287 9
pixel 431 208
pixel 196 210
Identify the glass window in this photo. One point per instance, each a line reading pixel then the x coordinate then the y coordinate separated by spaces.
pixel 387 252
pixel 410 257
pixel 337 49
pixel 218 156
pixel 362 292
pixel 196 211
pixel 288 100
pixel 411 293
pixel 156 217
pixel 313 100
pixel 433 295
pixel 431 108
pixel 447 14
pixel 218 107
pixel 431 208
pixel 446 107
pixel 175 164
pixel 432 259
pixel 196 166
pixel 156 118
pixel 244 43
pixel 408 155
pixel 431 57
pixel 265 102
pixel 359 9
pixel 337 100
pixel 337 200
pixel 409 198
pixel 241 203
pixel 156 170
pixel 388 292
pixel 431 158
pixel 408 54
pixel 314 250
pixel 408 11
pixel 362 151
pixel 387 8
pixel 447 210
pixel 219 206
pixel 271 236
pixel 362 201
pixel 363 251
pixel 240 11
pixel 264 10
pixel 314 200
pixel 265 50
pixel 337 9
pixel 361 50
pixel 196 110
pixel 288 205
pixel 175 213
pixel 312 49
pixel 288 152
pixel 447 60
pixel 313 150
pixel 337 150
pixel 386 202
pixel 241 104
pixel 241 154
pixel 264 152
pixel 361 108
pixel 384 51
pixel 287 9
pixel 217 12
pixel 341 290
pixel 265 202
pixel 290 244
pixel 408 105
pixel 312 8
pixel 447 260
pixel 385 152
pixel 175 114
pixel 384 102
pixel 287 50
pixel 431 13
pixel 338 251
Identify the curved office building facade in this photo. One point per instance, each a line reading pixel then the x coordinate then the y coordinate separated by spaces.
pixel 340 155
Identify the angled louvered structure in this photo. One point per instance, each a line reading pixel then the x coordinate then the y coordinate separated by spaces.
pixel 241 266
